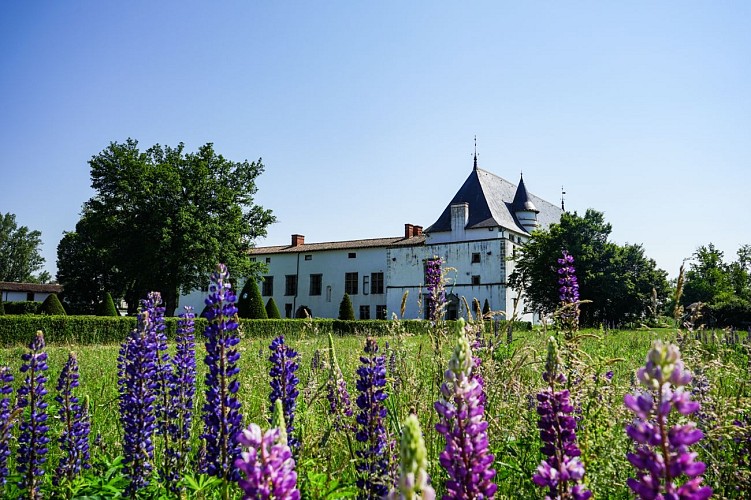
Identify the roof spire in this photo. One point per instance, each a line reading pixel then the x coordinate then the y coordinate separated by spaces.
pixel 475 167
pixel 563 205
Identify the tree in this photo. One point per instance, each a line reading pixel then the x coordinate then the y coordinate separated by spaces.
pixel 107 306
pixel 250 304
pixel 617 279
pixel 707 277
pixel 52 306
pixel 2 307
pixel 271 310
pixel 346 311
pixel 19 253
pixel 160 220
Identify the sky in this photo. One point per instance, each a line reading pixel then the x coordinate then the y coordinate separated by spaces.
pixel 365 113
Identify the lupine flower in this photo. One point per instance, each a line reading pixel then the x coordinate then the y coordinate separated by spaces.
pixel 461 422
pixel 562 471
pixel 284 383
pixel 221 413
pixel 434 284
pixel 662 454
pixel 74 440
pixel 568 292
pixel 267 466
pixel 32 441
pixel 414 483
pixel 336 392
pixel 136 378
pixel 6 421
pixel 182 389
pixel 372 458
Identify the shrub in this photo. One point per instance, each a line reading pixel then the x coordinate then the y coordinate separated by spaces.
pixel 271 310
pixel 303 312
pixel 250 303
pixel 52 306
pixel 346 311
pixel 23 307
pixel 2 308
pixel 107 306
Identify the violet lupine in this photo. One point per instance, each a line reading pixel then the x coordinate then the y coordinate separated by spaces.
pixel 221 412
pixel 340 404
pixel 6 420
pixel 568 292
pixel 33 439
pixel 182 389
pixel 284 384
pixel 74 439
pixel 662 454
pixel 137 386
pixel 434 283
pixel 466 456
pixel 372 457
pixel 267 466
pixel 562 471
pixel 414 482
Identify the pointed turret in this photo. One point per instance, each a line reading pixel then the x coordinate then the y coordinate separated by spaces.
pixel 524 209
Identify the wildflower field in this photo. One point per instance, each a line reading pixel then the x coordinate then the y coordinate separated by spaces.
pixel 455 413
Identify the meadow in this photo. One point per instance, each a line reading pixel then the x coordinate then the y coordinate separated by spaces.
pixel 512 373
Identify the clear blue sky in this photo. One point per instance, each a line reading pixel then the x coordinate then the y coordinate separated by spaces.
pixel 364 112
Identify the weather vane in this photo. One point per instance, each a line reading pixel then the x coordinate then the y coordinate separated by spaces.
pixel 563 206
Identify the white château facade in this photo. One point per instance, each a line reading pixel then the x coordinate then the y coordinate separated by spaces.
pixel 476 235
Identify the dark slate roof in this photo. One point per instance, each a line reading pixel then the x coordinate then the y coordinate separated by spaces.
pixel 397 241
pixel 6 286
pixel 490 200
pixel 521 199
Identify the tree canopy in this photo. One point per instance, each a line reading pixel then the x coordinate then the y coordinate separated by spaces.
pixel 160 220
pixel 617 279
pixel 20 257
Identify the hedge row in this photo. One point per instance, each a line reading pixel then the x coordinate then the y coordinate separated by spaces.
pixel 23 307
pixel 19 330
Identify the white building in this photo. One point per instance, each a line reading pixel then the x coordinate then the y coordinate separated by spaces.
pixel 31 292
pixel 476 235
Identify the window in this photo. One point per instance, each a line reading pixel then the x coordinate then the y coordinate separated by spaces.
pixel 364 312
pixel 268 260
pixel 350 283
pixel 475 258
pixel 252 259
pixel 381 311
pixel 316 281
pixel 287 310
pixel 290 284
pixel 475 280
pixel 30 296
pixel 328 294
pixel 376 283
pixel 268 286
pixel 352 255
pixel 309 257
pixel 365 285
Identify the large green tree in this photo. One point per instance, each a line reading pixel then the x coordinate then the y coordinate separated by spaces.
pixel 618 280
pixel 20 259
pixel 160 220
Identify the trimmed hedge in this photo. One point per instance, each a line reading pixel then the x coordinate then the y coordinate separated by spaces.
pixel 23 307
pixel 19 330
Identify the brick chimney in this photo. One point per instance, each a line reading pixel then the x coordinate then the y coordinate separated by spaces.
pixel 297 240
pixel 417 231
pixel 408 230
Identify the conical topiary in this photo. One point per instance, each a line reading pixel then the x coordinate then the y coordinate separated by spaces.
pixel 271 310
pixel 346 311
pixel 107 306
pixel 486 308
pixel 250 303
pixel 52 306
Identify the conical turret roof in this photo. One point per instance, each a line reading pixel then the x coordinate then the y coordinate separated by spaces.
pixel 522 202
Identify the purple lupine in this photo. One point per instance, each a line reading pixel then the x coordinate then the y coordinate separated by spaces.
pixel 434 284
pixel 33 440
pixel 283 383
pixel 267 466
pixel 74 439
pixel 466 458
pixel 372 457
pixel 340 404
pixel 182 389
pixel 562 471
pixel 137 387
pixel 662 454
pixel 6 421
pixel 568 292
pixel 221 412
